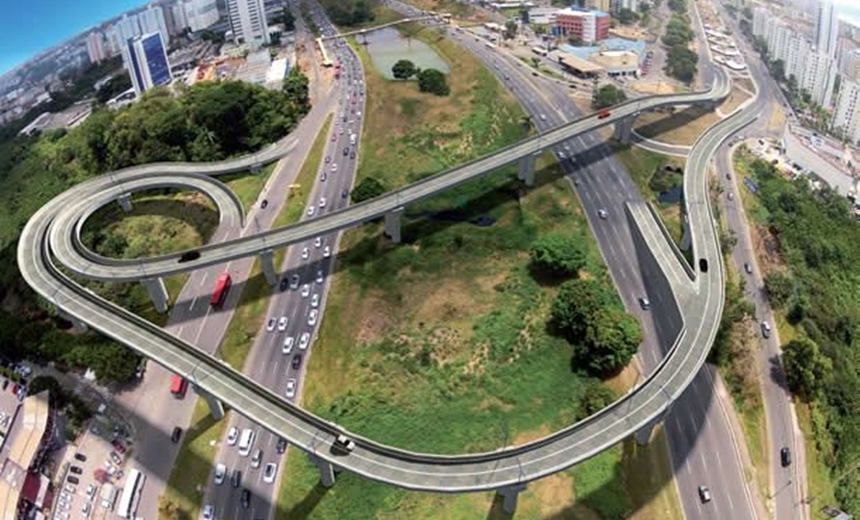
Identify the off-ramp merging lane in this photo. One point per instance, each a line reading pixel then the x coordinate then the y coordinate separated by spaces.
pixel 51 238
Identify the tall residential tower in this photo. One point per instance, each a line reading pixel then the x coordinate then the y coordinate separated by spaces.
pixel 826 28
pixel 248 22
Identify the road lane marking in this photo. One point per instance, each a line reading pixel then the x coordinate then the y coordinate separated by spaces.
pixel 193 301
pixel 203 278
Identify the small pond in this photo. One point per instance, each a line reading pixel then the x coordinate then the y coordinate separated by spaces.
pixel 387 46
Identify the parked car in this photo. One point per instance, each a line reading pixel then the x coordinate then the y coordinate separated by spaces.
pixel 81 457
pixel 73 479
pixel 76 470
pixel 115 458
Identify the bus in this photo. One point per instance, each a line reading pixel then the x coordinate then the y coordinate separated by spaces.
pixel 178 386
pixel 539 51
pixel 130 494
pixel 221 288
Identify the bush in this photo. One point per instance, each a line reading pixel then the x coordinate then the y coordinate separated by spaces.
pixel 557 254
pixel 806 368
pixel 779 287
pixel 368 188
pixel 433 81
pixel 403 69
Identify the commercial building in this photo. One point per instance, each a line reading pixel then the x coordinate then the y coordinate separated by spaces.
pixel 846 117
pixel 614 57
pixel 25 433
pixel 152 20
pixel 587 25
pixel 201 14
pixel 145 59
pixel 599 5
pixel 248 22
pixel 95 47
pixel 826 28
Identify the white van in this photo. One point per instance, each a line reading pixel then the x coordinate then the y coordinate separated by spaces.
pixel 246 441
pixel 352 139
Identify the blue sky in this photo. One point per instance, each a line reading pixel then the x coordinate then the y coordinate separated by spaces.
pixel 29 26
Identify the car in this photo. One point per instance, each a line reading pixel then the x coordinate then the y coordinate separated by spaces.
pixel 324 176
pixel 257 458
pixel 245 498
pixel 69 489
pixel 315 300
pixel 352 155
pixel 730 196
pixel 765 329
pixel 305 253
pixel 220 474
pixel 704 494
pixel 264 203
pixel 81 457
pixel 285 282
pixel 282 324
pixel 311 210
pixel 334 167
pixel 176 435
pixel 270 472
pixel 294 281
pixel 270 325
pixel 644 303
pixel 747 267
pixel 327 159
pixel 343 444
pixel 318 242
pixel 305 340
pixel 115 458
pixel 334 137
pixel 76 470
pixel 232 436
pixel 561 154
pixel 291 388
pixel 543 117
pixel 312 317
pixel 208 512
pixel 346 151
pixel 602 213
pixel 281 447
pixel 86 509
pixel 73 479
pixel 296 362
pixel 344 194
pixel 306 290
pixel 289 341
pixel 785 456
pixel 236 478
pixel 188 256
pixel 603 114
pixel 327 252
pixel 320 276
pixel 91 491
pixel 322 202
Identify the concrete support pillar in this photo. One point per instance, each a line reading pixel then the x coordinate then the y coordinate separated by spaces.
pixel 216 407
pixel 392 224
pixel 326 469
pixel 643 435
pixel 527 170
pixel 511 494
pixel 77 324
pixel 624 129
pixel 268 262
pixel 125 202
pixel 256 168
pixel 157 292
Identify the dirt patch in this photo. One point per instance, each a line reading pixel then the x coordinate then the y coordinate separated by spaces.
pixel 625 380
pixel 768 251
pixel 531 435
pixel 653 88
pixel 554 494
pixel 735 99
pixel 375 320
pixel 680 127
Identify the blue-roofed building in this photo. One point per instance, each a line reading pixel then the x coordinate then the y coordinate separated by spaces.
pixel 616 56
pixel 145 58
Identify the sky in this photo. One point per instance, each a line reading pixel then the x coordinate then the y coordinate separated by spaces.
pixel 30 26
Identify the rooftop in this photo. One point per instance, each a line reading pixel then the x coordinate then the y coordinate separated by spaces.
pixel 27 422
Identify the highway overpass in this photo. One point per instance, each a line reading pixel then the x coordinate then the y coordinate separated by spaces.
pixel 52 239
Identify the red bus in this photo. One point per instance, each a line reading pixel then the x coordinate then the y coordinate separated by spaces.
pixel 221 288
pixel 178 386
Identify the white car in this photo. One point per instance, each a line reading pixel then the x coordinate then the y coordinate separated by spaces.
pixel 270 325
pixel 315 301
pixel 208 512
pixel 327 252
pixel 312 317
pixel 288 344
pixel 602 213
pixel 269 472
pixel 220 474
pixel 318 242
pixel 305 253
pixel 232 436
pixel 304 340
pixel 311 211
pixel 322 202
pixel 320 276
pixel 306 290
pixel 294 281
pixel 334 167
pixel 257 458
pixel 291 388
pixel 282 324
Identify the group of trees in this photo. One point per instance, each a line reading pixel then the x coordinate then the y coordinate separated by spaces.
pixel 627 17
pixel 820 243
pixel 609 95
pixel 350 14
pixel 585 311
pixel 429 80
pixel 368 188
pixel 681 62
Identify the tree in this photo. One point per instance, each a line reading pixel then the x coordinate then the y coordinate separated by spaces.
pixel 807 369
pixel 594 398
pixel 681 63
pixel 368 188
pixel 288 19
pixel 524 16
pixel 558 254
pixel 574 305
pixel 627 17
pixel 403 69
pixel 609 95
pixel 779 287
pixel 777 68
pixel 296 87
pixel 611 339
pixel 510 30
pixel 575 40
pixel 433 81
pixel 748 13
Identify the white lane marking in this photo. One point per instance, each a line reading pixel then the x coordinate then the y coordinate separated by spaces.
pixel 704 462
pixel 191 307
pixel 719 460
pixel 729 497
pixel 179 331
pixel 203 278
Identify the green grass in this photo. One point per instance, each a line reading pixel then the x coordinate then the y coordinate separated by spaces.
pixel 247 186
pixel 819 482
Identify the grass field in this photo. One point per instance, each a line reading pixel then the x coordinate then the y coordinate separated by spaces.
pixel 440 342
pixel 247 186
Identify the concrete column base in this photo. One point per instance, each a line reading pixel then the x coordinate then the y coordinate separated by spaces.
pixel 511 495
pixel 125 202
pixel 157 292
pixel 624 129
pixel 392 224
pixel 77 324
pixel 216 407
pixel 527 170
pixel 268 262
pixel 326 469
pixel 643 435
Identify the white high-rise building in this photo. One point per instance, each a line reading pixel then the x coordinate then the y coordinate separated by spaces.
pixel 203 13
pixel 152 20
pixel 846 118
pixel 826 28
pixel 849 64
pixel 95 47
pixel 760 17
pixel 125 29
pixel 798 48
pixel 248 22
pixel 818 77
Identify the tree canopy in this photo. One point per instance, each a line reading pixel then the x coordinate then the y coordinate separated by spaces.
pixel 368 188
pixel 558 254
pixel 403 69
pixel 806 368
pixel 350 14
pixel 609 95
pixel 433 81
pixel 779 287
pixel 627 17
pixel 682 63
